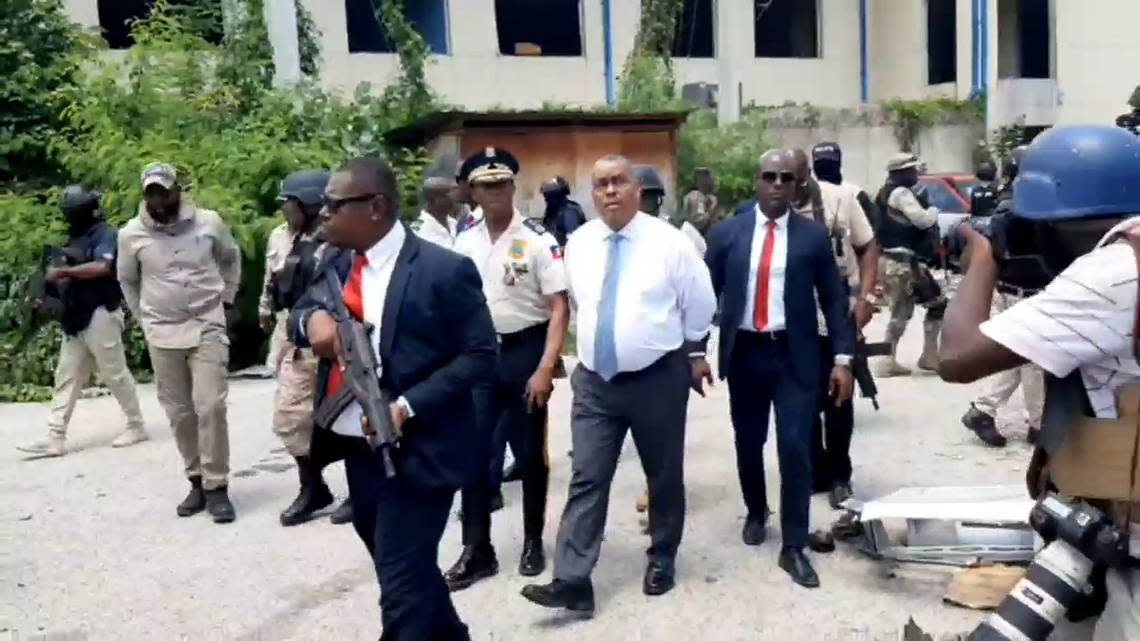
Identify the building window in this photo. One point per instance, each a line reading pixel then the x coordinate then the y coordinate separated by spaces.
pixel 1024 39
pixel 367 35
pixel 941 41
pixel 787 29
pixel 694 37
pixel 204 18
pixel 539 27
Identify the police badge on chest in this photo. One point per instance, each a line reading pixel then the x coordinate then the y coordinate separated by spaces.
pixel 515 269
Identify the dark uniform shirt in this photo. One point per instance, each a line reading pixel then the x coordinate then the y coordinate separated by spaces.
pixel 83 297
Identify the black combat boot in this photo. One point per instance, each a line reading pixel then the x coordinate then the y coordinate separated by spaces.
pixel 984 426
pixel 313 497
pixel 195 501
pixel 475 563
pixel 219 506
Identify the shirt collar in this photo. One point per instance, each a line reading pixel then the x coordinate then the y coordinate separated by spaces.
pixel 1119 228
pixel 781 222
pixel 427 219
pixel 387 247
pixel 630 229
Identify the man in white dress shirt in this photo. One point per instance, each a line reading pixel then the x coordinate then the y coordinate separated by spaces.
pixel 436 223
pixel 636 331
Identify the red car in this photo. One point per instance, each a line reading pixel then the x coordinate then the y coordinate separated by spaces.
pixel 949 192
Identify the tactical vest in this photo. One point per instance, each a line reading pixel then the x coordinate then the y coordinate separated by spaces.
pixel 895 231
pixel 983 199
pixel 288 284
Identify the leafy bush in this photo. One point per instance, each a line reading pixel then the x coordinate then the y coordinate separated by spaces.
pixel 211 110
pixel 731 151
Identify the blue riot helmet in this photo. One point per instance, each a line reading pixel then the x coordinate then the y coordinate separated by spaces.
pixel 306 187
pixel 1077 172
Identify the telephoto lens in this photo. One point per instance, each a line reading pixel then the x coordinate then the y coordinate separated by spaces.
pixel 1080 536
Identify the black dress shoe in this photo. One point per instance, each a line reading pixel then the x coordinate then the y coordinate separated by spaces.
pixel 219 506
pixel 497 501
pixel 821 542
pixel 840 493
pixel 343 513
pixel 796 564
pixel 658 578
pixel 533 560
pixel 576 597
pixel 755 530
pixel 477 562
pixel 984 426
pixel 195 501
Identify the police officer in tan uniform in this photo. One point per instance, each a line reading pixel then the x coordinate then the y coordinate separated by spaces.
pixel 179 269
pixel 524 281
pixel 290 261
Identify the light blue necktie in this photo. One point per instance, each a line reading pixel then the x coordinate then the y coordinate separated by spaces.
pixel 605 344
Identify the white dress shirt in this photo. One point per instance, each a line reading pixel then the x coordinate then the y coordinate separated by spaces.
pixel 519 271
pixel 776 316
pixel 374 289
pixel 665 294
pixel 428 228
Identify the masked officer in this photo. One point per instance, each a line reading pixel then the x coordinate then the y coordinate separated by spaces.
pixel 92 322
pixel 293 250
pixel 907 233
pixel 180 268
pixel 563 215
pixel 524 282
pixel 984 198
pixel 652 199
pixel 1075 183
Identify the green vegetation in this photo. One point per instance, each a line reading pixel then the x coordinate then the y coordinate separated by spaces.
pixel 74 115
pixel 910 117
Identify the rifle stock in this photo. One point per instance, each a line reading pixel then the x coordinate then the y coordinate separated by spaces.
pixel 861 370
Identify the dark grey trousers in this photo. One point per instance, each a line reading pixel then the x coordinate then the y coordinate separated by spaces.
pixel 651 404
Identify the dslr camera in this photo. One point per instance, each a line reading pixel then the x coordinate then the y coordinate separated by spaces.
pixel 1078 538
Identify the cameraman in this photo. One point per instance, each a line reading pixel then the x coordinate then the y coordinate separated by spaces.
pixel 1077 184
pixel 92 323
pixel 908 233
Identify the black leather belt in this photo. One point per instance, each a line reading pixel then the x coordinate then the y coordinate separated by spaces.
pixel 531 333
pixel 1010 290
pixel 778 336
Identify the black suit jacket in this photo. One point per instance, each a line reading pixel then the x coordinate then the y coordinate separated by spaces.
pixel 436 343
pixel 810 269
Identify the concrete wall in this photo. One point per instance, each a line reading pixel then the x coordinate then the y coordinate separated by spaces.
pixel 868 141
pixel 1098 55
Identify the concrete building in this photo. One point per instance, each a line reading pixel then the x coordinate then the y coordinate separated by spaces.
pixel 1042 61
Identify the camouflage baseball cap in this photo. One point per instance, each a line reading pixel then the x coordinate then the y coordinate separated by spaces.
pixel 901 161
pixel 159 173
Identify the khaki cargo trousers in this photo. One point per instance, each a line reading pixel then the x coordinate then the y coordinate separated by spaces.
pixel 100 348
pixel 296 385
pixel 192 389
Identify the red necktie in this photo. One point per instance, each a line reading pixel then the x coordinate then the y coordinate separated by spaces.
pixel 760 316
pixel 354 301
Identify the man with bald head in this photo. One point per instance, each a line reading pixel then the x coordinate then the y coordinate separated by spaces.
pixel 807 198
pixel 624 360
pixel 768 268
pixel 433 339
pixel 436 223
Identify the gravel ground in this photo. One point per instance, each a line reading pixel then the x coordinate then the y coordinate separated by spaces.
pixel 92 549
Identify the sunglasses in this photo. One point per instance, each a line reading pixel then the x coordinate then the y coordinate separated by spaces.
pixel 774 176
pixel 334 205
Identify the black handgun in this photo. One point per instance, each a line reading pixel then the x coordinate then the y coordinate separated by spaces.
pixel 360 379
pixel 861 370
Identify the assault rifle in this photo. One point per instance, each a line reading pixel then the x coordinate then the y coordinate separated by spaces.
pixel 361 384
pixel 861 371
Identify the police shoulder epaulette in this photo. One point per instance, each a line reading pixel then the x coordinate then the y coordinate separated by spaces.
pixel 534 225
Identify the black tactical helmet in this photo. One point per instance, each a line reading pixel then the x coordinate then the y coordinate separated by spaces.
pixel 556 185
pixel 79 198
pixel 650 181
pixel 307 186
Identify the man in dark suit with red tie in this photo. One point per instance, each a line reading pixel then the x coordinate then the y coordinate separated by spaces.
pixel 768 267
pixel 433 338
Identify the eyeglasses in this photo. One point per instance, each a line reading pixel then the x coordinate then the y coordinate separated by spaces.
pixel 333 205
pixel 782 176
